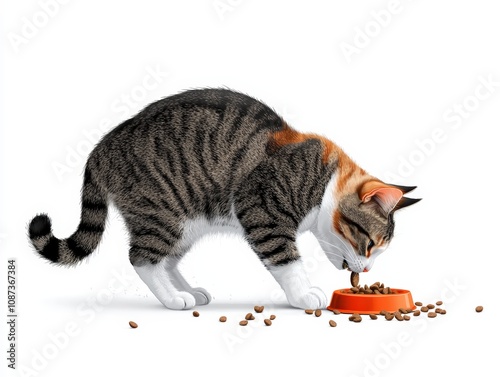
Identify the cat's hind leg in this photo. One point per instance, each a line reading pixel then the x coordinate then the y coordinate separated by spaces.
pixel 201 295
pixel 160 281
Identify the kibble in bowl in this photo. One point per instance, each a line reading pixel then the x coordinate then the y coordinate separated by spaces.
pixel 371 299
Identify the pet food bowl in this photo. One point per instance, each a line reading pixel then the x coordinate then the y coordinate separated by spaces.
pixel 346 302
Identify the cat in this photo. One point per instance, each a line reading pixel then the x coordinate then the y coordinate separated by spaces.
pixel 215 160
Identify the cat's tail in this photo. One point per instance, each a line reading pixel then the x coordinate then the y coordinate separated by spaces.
pixel 83 242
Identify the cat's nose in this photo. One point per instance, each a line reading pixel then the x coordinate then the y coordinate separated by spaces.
pixel 366 270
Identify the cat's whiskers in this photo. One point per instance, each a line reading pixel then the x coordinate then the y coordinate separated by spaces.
pixel 348 247
pixel 347 257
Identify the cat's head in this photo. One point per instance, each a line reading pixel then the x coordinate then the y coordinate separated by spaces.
pixel 361 222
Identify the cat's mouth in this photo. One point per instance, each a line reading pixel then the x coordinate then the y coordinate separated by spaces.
pixel 345 265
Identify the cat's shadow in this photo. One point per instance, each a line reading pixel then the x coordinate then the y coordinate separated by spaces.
pixel 138 303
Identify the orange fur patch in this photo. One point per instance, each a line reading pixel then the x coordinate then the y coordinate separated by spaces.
pixel 290 136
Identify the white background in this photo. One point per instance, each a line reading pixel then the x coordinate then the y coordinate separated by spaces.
pixel 72 73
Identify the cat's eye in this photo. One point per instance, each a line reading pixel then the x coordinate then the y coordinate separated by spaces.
pixel 370 245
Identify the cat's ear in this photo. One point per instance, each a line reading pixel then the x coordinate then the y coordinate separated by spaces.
pixel 405 202
pixel 405 189
pixel 386 196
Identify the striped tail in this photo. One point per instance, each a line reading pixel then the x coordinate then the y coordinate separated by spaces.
pixel 83 242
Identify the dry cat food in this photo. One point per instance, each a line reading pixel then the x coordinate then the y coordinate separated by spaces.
pixel 332 323
pixel 354 279
pixel 373 316
pixel 355 317
pixel 133 324
pixel 431 314
pixel 309 311
pixel 418 303
pixel 243 323
pixel 336 312
pixel 439 303
pixel 389 316
pixel 376 288
pixel 479 309
pixel 196 314
pixel 317 312
pixel 223 319
pixel 258 309
pixel 268 322
pixel 272 317
pixel 249 317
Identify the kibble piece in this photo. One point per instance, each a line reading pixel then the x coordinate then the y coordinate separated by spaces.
pixel 223 319
pixel 406 317
pixel 272 317
pixel 479 309
pixel 383 312
pixel 354 289
pixel 424 309
pixel 439 303
pixel 317 312
pixel 416 313
pixel 258 309
pixel 354 279
pixel 385 291
pixel 133 324
pixel 332 323
pixel 431 314
pixel 249 317
pixel 357 319
pixel 196 314
pixel 309 311
pixel 373 316
pixel 243 323
pixel 443 311
pixel 418 303
pixel 268 322
pixel 403 311
pixel 431 306
pixel 336 312
pixel 389 316
pixel 398 316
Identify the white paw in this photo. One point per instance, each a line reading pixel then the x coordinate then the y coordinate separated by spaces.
pixel 201 296
pixel 180 301
pixel 313 298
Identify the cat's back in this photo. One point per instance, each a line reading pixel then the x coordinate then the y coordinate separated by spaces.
pixel 210 136
pixel 222 110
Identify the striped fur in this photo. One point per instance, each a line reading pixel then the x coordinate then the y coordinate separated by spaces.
pixel 218 158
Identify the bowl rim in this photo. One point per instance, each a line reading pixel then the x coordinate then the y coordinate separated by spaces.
pixel 372 296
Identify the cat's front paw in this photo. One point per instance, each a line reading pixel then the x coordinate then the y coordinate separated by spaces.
pixel 201 296
pixel 313 298
pixel 180 301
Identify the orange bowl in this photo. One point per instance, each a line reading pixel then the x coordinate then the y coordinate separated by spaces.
pixel 370 303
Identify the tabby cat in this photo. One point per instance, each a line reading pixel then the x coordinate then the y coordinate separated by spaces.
pixel 214 160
